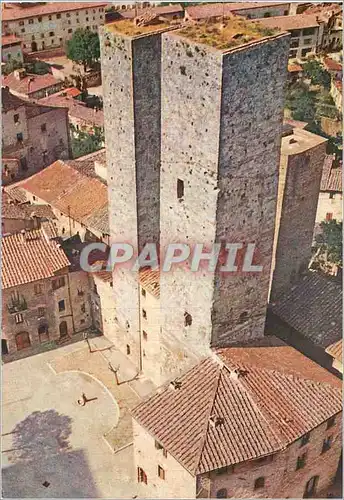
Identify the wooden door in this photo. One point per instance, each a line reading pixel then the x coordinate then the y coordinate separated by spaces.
pixel 22 341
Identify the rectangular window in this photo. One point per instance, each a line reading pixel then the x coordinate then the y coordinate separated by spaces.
pixel 16 118
pixel 304 52
pixel 50 18
pixel 21 23
pixel 304 439
pixel 180 189
pixel 30 21
pixel 143 292
pixel 51 33
pixel 22 30
pixel 39 19
pixel 144 313
pixel 161 472
pixel 308 31
pixel 44 127
pixel 294 43
pixel 141 476
pixel 301 461
pixel 62 306
pixel 58 16
pixel 42 35
pixel 307 41
pixel 70 30
pixel 41 312
pixel 18 318
pixel 20 137
pixel 329 216
pixel 67 15
pixel 145 335
pixel 326 444
pixel 37 289
pixel 292 54
pixel 330 423
pixel 58 283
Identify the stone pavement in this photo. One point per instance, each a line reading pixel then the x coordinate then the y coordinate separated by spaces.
pixel 52 447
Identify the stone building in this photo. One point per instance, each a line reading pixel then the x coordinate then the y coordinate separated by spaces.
pixel 11 49
pixel 331 192
pixel 29 86
pixel 249 10
pixel 306 33
pixel 78 200
pixel 302 159
pixel 248 422
pixel 33 137
pixel 41 300
pixel 44 26
pixel 182 84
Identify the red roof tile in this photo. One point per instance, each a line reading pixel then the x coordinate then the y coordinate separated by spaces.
pixel 29 84
pixel 30 257
pixel 331 179
pixel 288 23
pixel 13 11
pixel 294 68
pixel 332 65
pixel 9 40
pixel 260 410
pixel 150 281
pixel 76 109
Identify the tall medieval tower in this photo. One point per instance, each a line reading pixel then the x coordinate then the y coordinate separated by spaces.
pixel 193 141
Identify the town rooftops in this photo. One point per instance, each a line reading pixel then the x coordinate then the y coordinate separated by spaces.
pixel 289 23
pixel 76 109
pixel 228 33
pixel 76 195
pixel 236 406
pixel 30 256
pixel 11 102
pixel 313 307
pixel 331 180
pixel 27 84
pixel 159 11
pixel 13 11
pixel 8 40
pixel 211 10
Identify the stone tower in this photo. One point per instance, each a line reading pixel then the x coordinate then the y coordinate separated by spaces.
pixel 131 75
pixel 302 160
pixel 221 125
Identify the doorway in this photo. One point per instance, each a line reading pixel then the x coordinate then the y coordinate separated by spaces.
pixel 43 333
pixel 4 346
pixel 22 341
pixel 63 329
pixel 34 46
pixel 311 487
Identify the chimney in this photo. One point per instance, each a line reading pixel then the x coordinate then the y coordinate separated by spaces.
pixel 216 421
pixel 19 74
pixel 235 374
pixel 23 236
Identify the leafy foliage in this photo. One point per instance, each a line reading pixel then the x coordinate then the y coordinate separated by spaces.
pixel 329 244
pixel 84 48
pixel 301 103
pixel 84 143
pixel 11 65
pixel 317 74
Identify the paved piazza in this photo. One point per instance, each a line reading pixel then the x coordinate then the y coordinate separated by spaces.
pixel 52 446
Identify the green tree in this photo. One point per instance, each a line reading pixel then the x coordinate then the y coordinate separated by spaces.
pixel 84 143
pixel 11 65
pixel 84 48
pixel 317 74
pixel 301 103
pixel 329 244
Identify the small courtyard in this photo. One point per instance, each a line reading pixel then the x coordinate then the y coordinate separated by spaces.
pixel 54 447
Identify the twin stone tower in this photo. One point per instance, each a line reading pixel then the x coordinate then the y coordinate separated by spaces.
pixel 193 137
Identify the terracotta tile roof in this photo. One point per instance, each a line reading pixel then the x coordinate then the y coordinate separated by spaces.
pixel 336 350
pixel 219 9
pixel 83 198
pixel 313 307
pixel 76 109
pixel 13 211
pixel 29 84
pixel 16 193
pixel 296 123
pixel 261 411
pixel 331 179
pixel 289 23
pixel 41 211
pixel 150 281
pixel 30 257
pixel 332 65
pixel 14 11
pixel 71 92
pixel 294 68
pixel 49 229
pixel 9 101
pixel 86 164
pixel 9 40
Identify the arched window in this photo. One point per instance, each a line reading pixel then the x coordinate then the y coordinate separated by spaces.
pixel 222 493
pixel 259 483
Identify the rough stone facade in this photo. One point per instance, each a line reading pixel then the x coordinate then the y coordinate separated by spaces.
pixel 302 159
pixel 281 479
pixel 35 136
pixel 131 83
pixel 221 122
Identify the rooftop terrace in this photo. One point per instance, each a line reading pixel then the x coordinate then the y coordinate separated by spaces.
pixel 226 34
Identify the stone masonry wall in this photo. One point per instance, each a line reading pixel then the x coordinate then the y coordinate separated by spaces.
pixel 299 206
pixel 132 125
pixel 251 121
